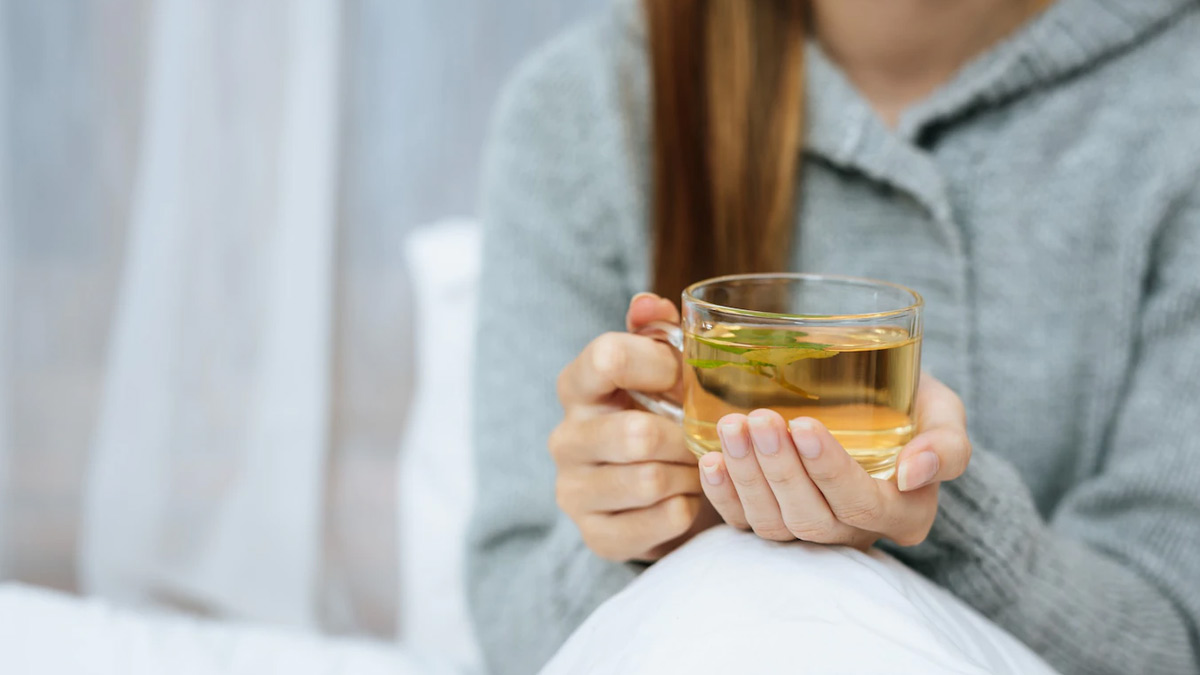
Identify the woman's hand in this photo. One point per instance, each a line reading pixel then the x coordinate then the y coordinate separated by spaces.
pixel 625 476
pixel 793 480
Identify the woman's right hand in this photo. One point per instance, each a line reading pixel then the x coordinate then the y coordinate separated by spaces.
pixel 625 476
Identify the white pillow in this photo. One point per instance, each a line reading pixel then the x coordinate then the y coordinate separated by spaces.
pixel 436 481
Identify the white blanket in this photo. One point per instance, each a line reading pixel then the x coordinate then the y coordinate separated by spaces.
pixel 47 633
pixel 729 602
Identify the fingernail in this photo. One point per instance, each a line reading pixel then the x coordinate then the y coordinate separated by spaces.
pixel 804 435
pixel 765 440
pixel 712 472
pixel 733 440
pixel 916 471
pixel 642 297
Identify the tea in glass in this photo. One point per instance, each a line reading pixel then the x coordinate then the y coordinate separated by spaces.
pixel 842 350
pixel 860 383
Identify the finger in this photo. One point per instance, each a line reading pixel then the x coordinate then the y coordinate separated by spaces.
pixel 942 448
pixel 622 437
pixel 758 501
pixel 647 307
pixel 802 506
pixel 616 361
pixel 853 496
pixel 609 488
pixel 856 498
pixel 937 406
pixel 720 491
pixel 932 457
pixel 632 534
pixel 912 513
pixel 706 517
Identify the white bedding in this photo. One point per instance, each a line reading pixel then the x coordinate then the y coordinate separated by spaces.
pixel 47 633
pixel 729 602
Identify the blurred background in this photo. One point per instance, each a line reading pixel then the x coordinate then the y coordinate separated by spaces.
pixel 206 318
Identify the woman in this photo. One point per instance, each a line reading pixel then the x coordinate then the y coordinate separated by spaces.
pixel 1032 170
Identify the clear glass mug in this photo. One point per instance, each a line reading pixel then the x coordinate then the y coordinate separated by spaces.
pixel 842 350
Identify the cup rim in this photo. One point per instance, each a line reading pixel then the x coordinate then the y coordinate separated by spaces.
pixel 689 297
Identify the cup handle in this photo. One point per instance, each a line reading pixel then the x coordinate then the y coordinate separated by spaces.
pixel 656 403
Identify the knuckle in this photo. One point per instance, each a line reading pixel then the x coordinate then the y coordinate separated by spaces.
pixel 571 494
pixel 824 474
pixel 652 481
pixel 783 476
pixel 605 538
pixel 561 383
pixel 819 530
pixel 968 449
pixel 641 436
pixel 773 531
pixel 745 482
pixel 609 357
pixel 556 442
pixel 863 514
pixel 599 543
pixel 680 512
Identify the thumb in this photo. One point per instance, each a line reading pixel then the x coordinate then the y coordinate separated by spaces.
pixel 942 448
pixel 647 307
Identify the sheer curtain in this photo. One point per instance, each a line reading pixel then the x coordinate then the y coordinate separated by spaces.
pixel 216 389
pixel 204 317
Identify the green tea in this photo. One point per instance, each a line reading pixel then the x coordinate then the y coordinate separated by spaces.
pixel 859 382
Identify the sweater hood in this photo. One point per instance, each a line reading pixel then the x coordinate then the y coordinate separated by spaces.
pixel 1068 37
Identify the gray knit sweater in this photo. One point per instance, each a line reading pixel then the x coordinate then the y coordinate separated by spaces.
pixel 1044 202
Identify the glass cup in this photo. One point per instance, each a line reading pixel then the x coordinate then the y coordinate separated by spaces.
pixel 842 350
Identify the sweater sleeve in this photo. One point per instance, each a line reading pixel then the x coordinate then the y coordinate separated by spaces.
pixel 552 280
pixel 1110 583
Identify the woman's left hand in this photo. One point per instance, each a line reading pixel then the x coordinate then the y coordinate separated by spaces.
pixel 793 480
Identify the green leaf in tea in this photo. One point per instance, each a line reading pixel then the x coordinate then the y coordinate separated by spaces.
pixel 742 340
pixel 766 351
pixel 783 382
pixel 766 337
pixel 709 364
pixel 721 346
pixel 785 355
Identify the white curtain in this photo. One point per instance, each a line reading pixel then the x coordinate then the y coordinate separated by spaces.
pixel 201 378
pixel 205 327
pixel 217 389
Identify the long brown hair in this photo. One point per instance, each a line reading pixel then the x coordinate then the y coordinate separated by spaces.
pixel 727 123
pixel 728 118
